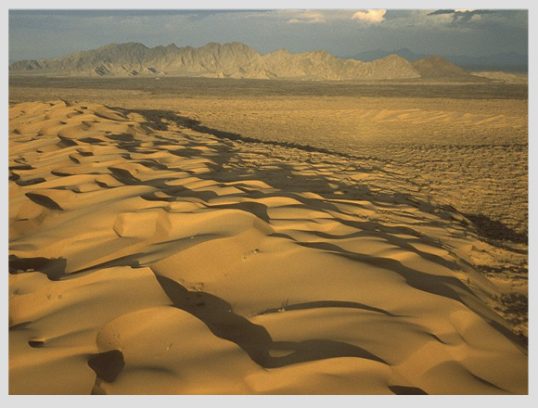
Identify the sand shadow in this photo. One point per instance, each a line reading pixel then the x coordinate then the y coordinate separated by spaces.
pixel 44 201
pixel 54 268
pixel 255 340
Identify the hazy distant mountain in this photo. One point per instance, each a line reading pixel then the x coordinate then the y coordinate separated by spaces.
pixel 233 60
pixel 510 61
pixel 376 54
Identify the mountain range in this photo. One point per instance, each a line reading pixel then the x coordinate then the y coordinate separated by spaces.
pixel 235 60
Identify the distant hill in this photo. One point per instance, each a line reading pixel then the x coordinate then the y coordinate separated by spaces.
pixel 435 67
pixel 508 61
pixel 501 76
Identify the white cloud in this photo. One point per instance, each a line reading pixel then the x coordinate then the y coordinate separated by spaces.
pixel 308 17
pixel 374 16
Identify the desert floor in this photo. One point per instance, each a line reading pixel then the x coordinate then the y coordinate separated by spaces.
pixel 195 237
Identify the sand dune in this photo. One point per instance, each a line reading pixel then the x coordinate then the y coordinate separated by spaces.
pixel 150 258
pixel 464 145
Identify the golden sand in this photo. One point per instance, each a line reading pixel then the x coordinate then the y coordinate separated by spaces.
pixel 150 258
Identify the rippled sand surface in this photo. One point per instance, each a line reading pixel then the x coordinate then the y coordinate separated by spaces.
pixel 153 254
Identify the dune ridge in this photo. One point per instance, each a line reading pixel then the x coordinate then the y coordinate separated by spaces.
pixel 147 257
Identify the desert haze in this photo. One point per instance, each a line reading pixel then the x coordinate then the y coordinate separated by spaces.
pixel 216 220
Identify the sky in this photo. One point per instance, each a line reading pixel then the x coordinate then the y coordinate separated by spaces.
pixel 35 34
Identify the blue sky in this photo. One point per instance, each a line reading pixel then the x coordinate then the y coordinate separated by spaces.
pixel 53 33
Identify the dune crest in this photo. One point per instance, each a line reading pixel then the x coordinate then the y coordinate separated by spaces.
pixel 149 257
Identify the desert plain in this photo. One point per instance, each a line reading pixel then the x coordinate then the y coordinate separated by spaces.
pixel 236 236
